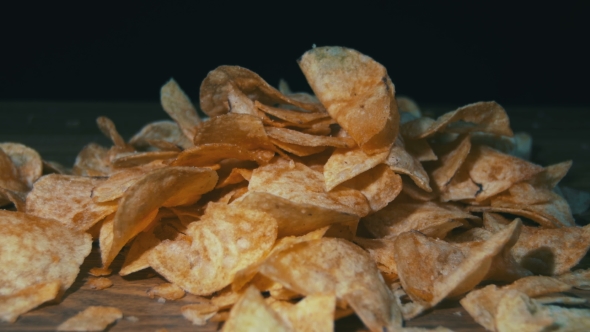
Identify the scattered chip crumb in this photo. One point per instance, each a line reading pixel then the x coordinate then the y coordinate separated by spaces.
pixel 100 271
pixel 132 319
pixel 99 283
pixel 93 318
pixel 167 291
pixel 458 313
pixel 161 300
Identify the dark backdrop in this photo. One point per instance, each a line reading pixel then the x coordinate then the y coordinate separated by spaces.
pixel 436 53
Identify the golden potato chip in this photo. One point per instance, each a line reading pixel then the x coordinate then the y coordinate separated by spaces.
pixel 296 137
pixel 27 161
pixel 482 304
pixel 450 275
pixel 314 313
pixel 10 177
pixel 99 272
pixel 22 301
pixel 487 117
pixel 99 283
pixel 227 239
pixel 381 251
pixel 93 160
pixel 451 157
pixel 289 115
pixel 199 313
pixel 298 150
pixel 300 184
pixel 251 313
pixel 93 318
pixel 345 164
pixel 137 257
pixel 211 154
pixel 403 216
pixel 55 167
pixel 168 291
pixel 108 128
pixel 380 185
pixel 173 185
pixel 401 161
pixel 215 87
pixel 38 250
pixel 356 92
pixel 115 186
pixel 177 104
pixel 73 206
pixel 517 312
pixel 487 172
pixel 336 265
pixel 167 131
pixel 420 149
pixel 131 159
pixel 579 279
pixel 14 197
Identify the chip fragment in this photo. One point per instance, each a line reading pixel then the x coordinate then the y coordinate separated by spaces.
pixel 93 318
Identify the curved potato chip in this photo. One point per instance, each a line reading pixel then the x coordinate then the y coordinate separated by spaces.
pixel 36 250
pixel 168 186
pixel 487 116
pixel 336 265
pixel 380 185
pixel 227 239
pixel 108 128
pixel 132 159
pixel 9 177
pixel 298 150
pixel 292 116
pixel 93 160
pixel 177 104
pixel 345 164
pixel 24 300
pixel 213 153
pixel 296 137
pixel 161 130
pixel 27 161
pixel 73 205
pixel 356 92
pixel 401 161
pixel 301 184
pixel 215 86
pixel 451 157
pixel 251 313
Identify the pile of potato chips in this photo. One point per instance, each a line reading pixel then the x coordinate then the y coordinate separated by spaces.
pixel 287 211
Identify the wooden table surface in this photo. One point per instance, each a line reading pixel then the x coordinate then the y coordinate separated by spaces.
pixel 58 131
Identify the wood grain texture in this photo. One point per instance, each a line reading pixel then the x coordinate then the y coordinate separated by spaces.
pixel 59 130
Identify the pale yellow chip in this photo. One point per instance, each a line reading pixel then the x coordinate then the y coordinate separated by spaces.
pixel 251 313
pixel 402 162
pixel 131 159
pixel 380 185
pixel 36 250
pixel 296 149
pixel 314 313
pixel 15 304
pixel 199 313
pixel 166 290
pixel 177 104
pixel 309 267
pixel 93 160
pixel 356 92
pixel 451 157
pixel 93 318
pixel 68 199
pixel 27 161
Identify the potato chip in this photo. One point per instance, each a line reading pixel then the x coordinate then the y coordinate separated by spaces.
pixel 426 217
pixel 215 86
pixel 93 160
pixel 93 318
pixel 292 116
pixel 27 161
pixel 314 313
pixel 420 149
pixel 487 117
pixel 402 162
pixel 199 313
pixel 38 250
pixel 487 172
pixel 167 131
pixel 227 239
pixel 579 279
pixel 345 164
pixel 18 199
pixel 251 313
pixel 381 251
pixel 482 304
pixel 356 92
pixel 73 206
pixel 174 185
pixel 380 185
pixel 451 157
pixel 10 177
pixel 99 272
pixel 298 150
pixel 300 184
pixel 517 312
pixel 99 283
pixel 108 128
pixel 22 301
pixel 177 104
pixel 336 265
pixel 296 137
pixel 168 291
pixel 211 154
pixel 115 186
pixel 132 159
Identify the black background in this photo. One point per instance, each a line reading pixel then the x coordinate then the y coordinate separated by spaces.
pixel 436 53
